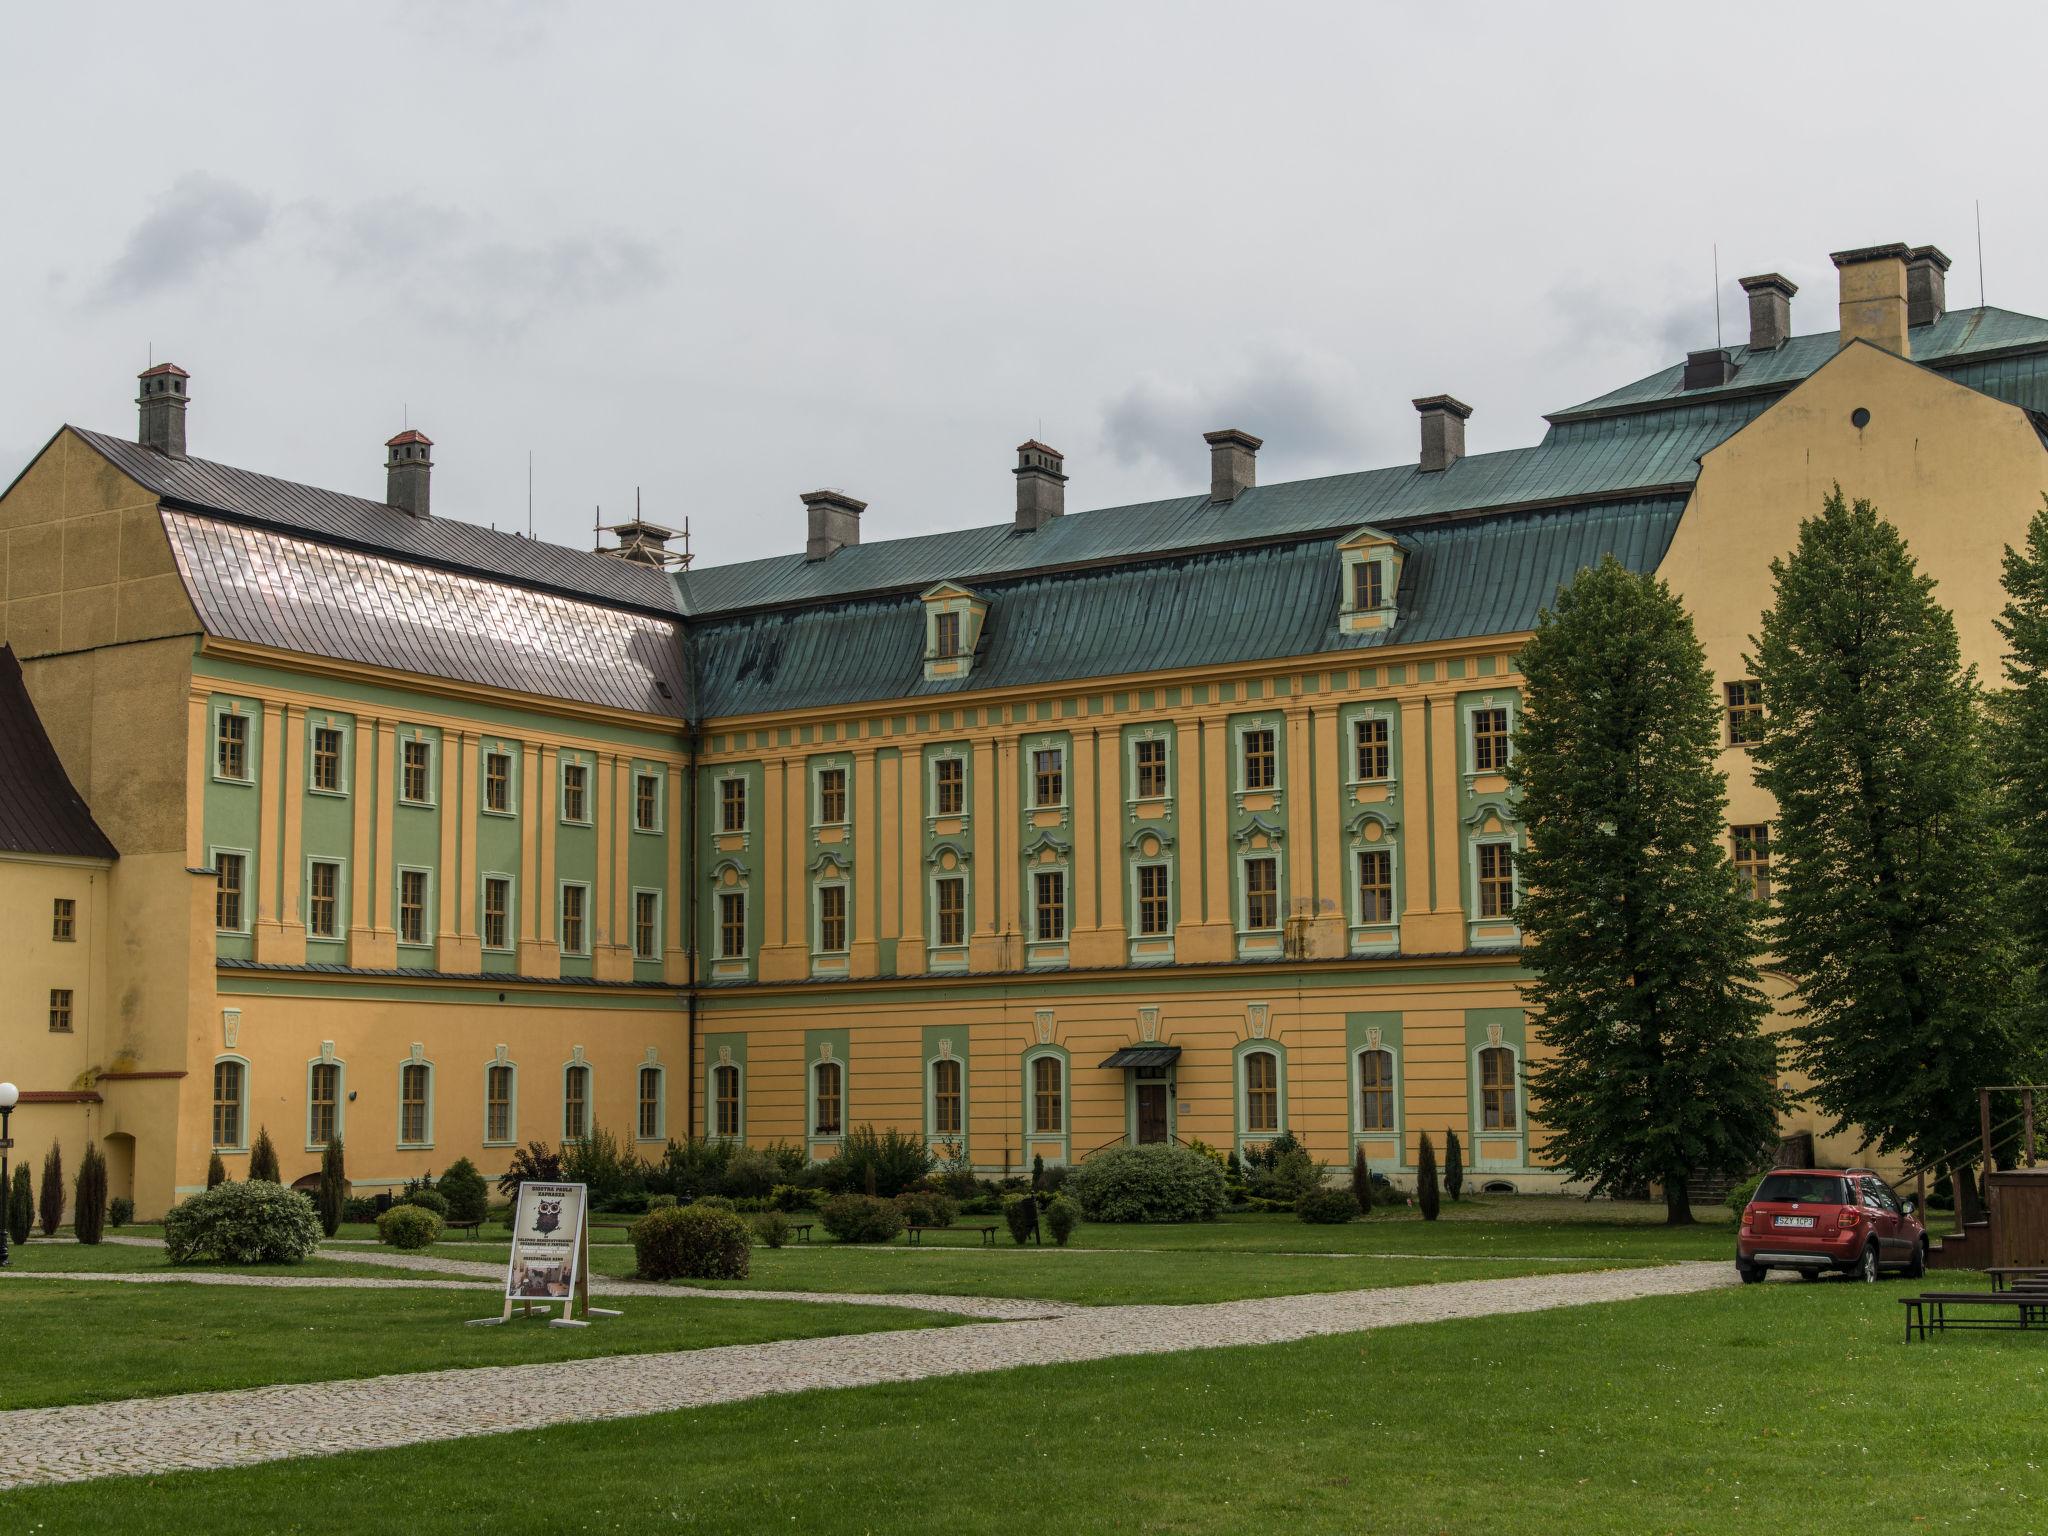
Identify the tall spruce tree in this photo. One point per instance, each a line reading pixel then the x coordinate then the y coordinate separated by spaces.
pixel 1889 920
pixel 2021 758
pixel 1642 943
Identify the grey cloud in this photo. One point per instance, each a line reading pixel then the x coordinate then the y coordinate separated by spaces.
pixel 1310 403
pixel 201 219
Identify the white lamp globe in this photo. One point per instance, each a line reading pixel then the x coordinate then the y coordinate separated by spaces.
pixel 9 1095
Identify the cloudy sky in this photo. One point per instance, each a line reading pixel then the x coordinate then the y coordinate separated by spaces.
pixel 729 253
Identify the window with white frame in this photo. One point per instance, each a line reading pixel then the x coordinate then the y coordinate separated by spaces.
pixel 498 782
pixel 647 925
pixel 575 1101
pixel 1155 899
pixel 948 1097
pixel 1376 1089
pixel 231 747
pixel 1259 757
pixel 327 759
pixel 949 786
pixel 1048 1095
pixel 574 925
pixel 1494 862
pixel 1372 748
pixel 323 1102
pixel 230 871
pixel 415 1103
pixel 828 1099
pixel 1049 904
pixel 732 805
pixel 576 792
pixel 323 899
pixel 1498 1109
pixel 1048 777
pixel 496 921
pixel 832 918
pixel 416 772
pixel 1148 768
pixel 1376 885
pixel 412 906
pixel 650 1105
pixel 732 925
pixel 646 802
pixel 1490 740
pixel 1261 892
pixel 499 1085
pixel 725 1099
pixel 949 910
pixel 230 1096
pixel 1261 1092
pixel 831 797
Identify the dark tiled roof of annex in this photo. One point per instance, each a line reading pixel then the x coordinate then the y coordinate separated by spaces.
pixel 39 810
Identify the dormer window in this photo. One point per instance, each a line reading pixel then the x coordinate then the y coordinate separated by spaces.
pixel 953 623
pixel 1372 564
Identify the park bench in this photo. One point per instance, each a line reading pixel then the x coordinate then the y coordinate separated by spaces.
pixel 2005 1277
pixel 473 1228
pixel 801 1230
pixel 1928 1312
pixel 988 1233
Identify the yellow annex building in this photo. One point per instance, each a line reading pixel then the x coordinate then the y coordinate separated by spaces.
pixel 1183 819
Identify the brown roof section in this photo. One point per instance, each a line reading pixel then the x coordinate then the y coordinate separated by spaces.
pixel 39 810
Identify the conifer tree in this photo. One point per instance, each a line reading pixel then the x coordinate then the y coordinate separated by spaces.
pixel 1426 1195
pixel 333 1193
pixel 2020 758
pixel 89 1197
pixel 50 1203
pixel 263 1158
pixel 1454 1165
pixel 1890 920
pixel 21 1205
pixel 216 1171
pixel 1361 1183
pixel 1642 942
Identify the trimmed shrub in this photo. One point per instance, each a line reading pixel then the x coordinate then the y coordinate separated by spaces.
pixel 120 1211
pixel 1426 1195
pixel 884 1163
pixel 601 1163
pixel 463 1187
pixel 691 1242
pixel 1329 1206
pixel 89 1197
pixel 750 1174
pixel 332 1198
pixel 1152 1183
pixel 772 1228
pixel 50 1202
pixel 216 1172
pixel 410 1225
pixel 861 1219
pixel 253 1223
pixel 426 1199
pixel 716 1202
pixel 1061 1217
pixel 1454 1165
pixel 927 1208
pixel 21 1205
pixel 263 1157
pixel 1020 1213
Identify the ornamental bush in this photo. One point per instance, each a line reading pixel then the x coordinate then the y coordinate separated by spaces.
pixel 1061 1217
pixel 263 1157
pixel 120 1211
pixel 750 1174
pixel 216 1172
pixel 410 1225
pixel 1020 1213
pixel 21 1205
pixel 332 1198
pixel 1328 1206
pixel 426 1199
pixel 772 1228
pixel 891 1160
pixel 602 1164
pixel 1151 1183
pixel 927 1208
pixel 251 1223
pixel 1281 1170
pixel 691 1242
pixel 463 1187
pixel 716 1202
pixel 861 1219
pixel 89 1197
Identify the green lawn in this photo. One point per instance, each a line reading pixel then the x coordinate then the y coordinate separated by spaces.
pixel 77 1341
pixel 1777 1407
pixel 79 1258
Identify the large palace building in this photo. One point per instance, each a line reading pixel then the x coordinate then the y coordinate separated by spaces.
pixel 327 815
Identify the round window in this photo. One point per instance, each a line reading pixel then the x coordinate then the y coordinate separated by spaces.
pixel 1859 418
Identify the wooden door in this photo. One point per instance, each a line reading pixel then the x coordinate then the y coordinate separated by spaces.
pixel 1151 1112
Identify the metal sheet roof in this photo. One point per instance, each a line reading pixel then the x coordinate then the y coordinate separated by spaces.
pixel 39 810
pixel 268 588
pixel 1143 1056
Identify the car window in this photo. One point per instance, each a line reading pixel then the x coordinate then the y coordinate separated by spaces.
pixel 1808 1188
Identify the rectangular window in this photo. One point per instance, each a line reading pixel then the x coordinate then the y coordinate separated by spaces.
pixel 417 762
pixel 1496 879
pixel 1262 1091
pixel 1373 739
pixel 946 634
pixel 1752 847
pixel 1048 776
pixel 650 1104
pixel 498 1103
pixel 323 1100
pixel 732 925
pixel 1155 914
pixel 576 792
pixel 1376 886
pixel 1151 764
pixel 497 923
pixel 1745 713
pixel 1048 1097
pixel 227 1104
pixel 831 796
pixel 951 896
pixel 732 805
pixel 1366 584
pixel 64 920
pixel 1489 740
pixel 829 1119
pixel 412 906
pixel 327 758
pixel 646 802
pixel 575 901
pixel 1261 893
pixel 831 918
pixel 412 1103
pixel 323 900
pixel 498 782
pixel 949 786
pixel 945 1097
pixel 1376 1090
pixel 725 1083
pixel 1260 768
pixel 646 925
pixel 1051 904
pixel 1497 1089
pixel 575 1103
pixel 60 1010
pixel 227 891
pixel 231 746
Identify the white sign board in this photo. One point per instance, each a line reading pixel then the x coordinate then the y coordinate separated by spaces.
pixel 547 1242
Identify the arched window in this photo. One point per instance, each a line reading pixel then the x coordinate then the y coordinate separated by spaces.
pixel 946 1097
pixel 725 1099
pixel 828 1099
pixel 323 1102
pixel 575 1102
pixel 499 1085
pixel 1261 1093
pixel 1375 1090
pixel 1048 1095
pixel 415 1104
pixel 651 1107
pixel 230 1094
pixel 1497 1089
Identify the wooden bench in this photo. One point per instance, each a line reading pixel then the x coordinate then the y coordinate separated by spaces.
pixel 1928 1312
pixel 988 1233
pixel 801 1230
pixel 2005 1277
pixel 474 1228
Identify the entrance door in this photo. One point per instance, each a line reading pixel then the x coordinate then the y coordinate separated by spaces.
pixel 1151 1112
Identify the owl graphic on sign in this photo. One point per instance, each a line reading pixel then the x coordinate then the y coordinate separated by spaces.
pixel 548 1217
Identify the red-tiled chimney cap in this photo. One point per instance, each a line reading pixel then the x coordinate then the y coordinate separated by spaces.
pixel 170 368
pixel 410 435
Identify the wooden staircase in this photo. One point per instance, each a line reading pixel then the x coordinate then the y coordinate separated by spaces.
pixel 1968 1249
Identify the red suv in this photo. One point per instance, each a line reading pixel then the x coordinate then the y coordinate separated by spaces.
pixel 1817 1219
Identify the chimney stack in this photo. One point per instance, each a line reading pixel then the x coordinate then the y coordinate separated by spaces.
pixel 1874 296
pixel 1770 310
pixel 1703 370
pixel 835 522
pixel 1233 462
pixel 1926 285
pixel 1041 485
pixel 408 462
pixel 1443 431
pixel 163 395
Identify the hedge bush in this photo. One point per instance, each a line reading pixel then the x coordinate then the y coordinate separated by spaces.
pixel 795 1197
pixel 410 1225
pixel 1281 1170
pixel 691 1242
pixel 463 1187
pixel 1153 1183
pixel 750 1173
pixel 1061 1217
pixel 120 1211
pixel 425 1199
pixel 360 1209
pixel 250 1223
pixel 1740 1196
pixel 772 1227
pixel 1328 1206
pixel 861 1219
pixel 897 1161
pixel 927 1208
pixel 1020 1215
pixel 716 1202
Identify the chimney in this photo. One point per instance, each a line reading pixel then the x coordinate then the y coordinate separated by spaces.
pixel 1443 431
pixel 1041 485
pixel 1874 296
pixel 835 522
pixel 1770 310
pixel 1926 285
pixel 1703 370
pixel 408 461
pixel 1233 462
pixel 163 397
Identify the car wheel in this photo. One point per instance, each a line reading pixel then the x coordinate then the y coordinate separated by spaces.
pixel 1866 1267
pixel 1751 1273
pixel 1809 1274
pixel 1918 1267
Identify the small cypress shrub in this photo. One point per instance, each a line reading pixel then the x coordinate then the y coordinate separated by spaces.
pixel 1020 1212
pixel 333 1197
pixel 1361 1182
pixel 1037 1171
pixel 1426 1195
pixel 263 1158
pixel 409 1226
pixel 21 1205
pixel 120 1211
pixel 1454 1165
pixel 463 1187
pixel 1327 1206
pixel 692 1242
pixel 50 1205
pixel 89 1197
pixel 1061 1217
pixel 216 1172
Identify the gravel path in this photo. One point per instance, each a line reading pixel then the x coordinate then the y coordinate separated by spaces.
pixel 224 1429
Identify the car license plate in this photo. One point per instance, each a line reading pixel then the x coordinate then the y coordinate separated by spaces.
pixel 1795 1221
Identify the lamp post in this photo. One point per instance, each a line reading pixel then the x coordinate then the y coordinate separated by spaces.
pixel 9 1097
